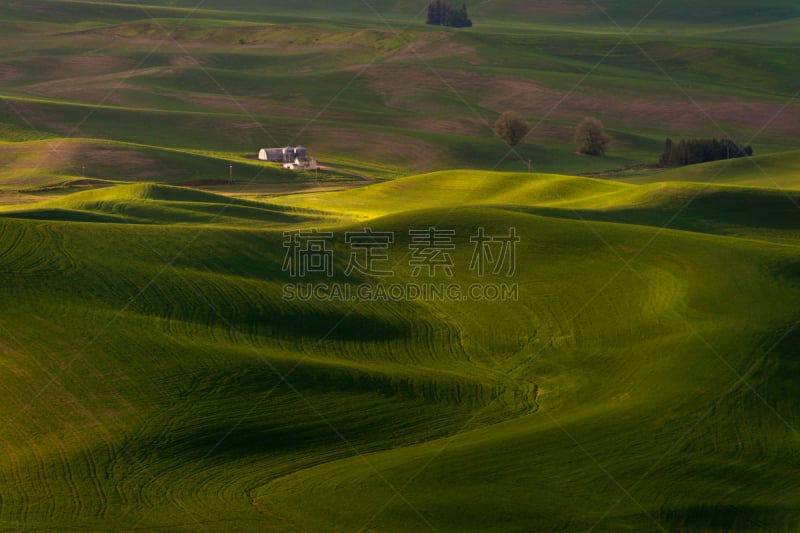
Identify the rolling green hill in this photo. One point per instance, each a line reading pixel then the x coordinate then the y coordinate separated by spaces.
pixel 175 354
pixel 160 204
pixel 50 164
pixel 189 394
pixel 719 208
pixel 683 9
pixel 393 96
pixel 774 171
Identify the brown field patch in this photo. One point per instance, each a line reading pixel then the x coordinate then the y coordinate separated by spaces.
pixel 81 65
pixel 435 46
pixel 131 165
pixel 699 115
pixel 537 7
pixel 526 97
pixel 107 88
pixel 65 68
pixel 45 156
pixel 469 125
pixel 206 183
pixel 365 145
pixel 183 61
pixel 9 73
pixel 106 92
pixel 703 115
pixel 79 157
pixel 251 106
pixel 444 91
pixel 407 88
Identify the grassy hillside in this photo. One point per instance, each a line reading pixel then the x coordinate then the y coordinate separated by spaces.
pixel 684 9
pixel 393 96
pixel 162 368
pixel 56 166
pixel 765 213
pixel 159 204
pixel 775 171
pixel 157 378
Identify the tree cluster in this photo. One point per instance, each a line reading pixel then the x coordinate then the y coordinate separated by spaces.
pixel 443 14
pixel 701 151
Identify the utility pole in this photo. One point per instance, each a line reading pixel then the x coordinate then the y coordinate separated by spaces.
pixel 230 173
pixel 529 166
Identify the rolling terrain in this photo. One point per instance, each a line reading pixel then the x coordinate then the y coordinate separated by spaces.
pixel 189 394
pixel 163 369
pixel 377 91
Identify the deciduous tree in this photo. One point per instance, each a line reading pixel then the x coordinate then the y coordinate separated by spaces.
pixel 511 128
pixel 591 137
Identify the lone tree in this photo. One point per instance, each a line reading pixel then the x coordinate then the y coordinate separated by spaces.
pixel 591 137
pixel 511 128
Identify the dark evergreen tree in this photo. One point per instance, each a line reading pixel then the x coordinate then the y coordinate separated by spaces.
pixel 683 152
pixel 692 151
pixel 664 160
pixel 675 156
pixel 435 13
pixel 440 13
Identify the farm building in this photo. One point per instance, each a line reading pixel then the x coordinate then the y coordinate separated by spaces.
pixel 309 163
pixel 271 154
pixel 288 154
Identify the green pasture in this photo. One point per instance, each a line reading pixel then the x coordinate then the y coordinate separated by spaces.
pixel 396 93
pixel 58 166
pixel 162 369
pixel 148 347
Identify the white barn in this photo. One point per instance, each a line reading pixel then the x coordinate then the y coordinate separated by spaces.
pixel 283 155
pixel 271 154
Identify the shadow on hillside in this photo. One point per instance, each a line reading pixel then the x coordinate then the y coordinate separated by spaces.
pixel 719 212
pixel 729 518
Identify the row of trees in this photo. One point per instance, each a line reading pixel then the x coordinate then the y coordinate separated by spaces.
pixel 701 151
pixel 592 139
pixel 590 136
pixel 443 14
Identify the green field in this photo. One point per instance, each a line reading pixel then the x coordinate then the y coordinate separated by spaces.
pixel 162 368
pixel 379 91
